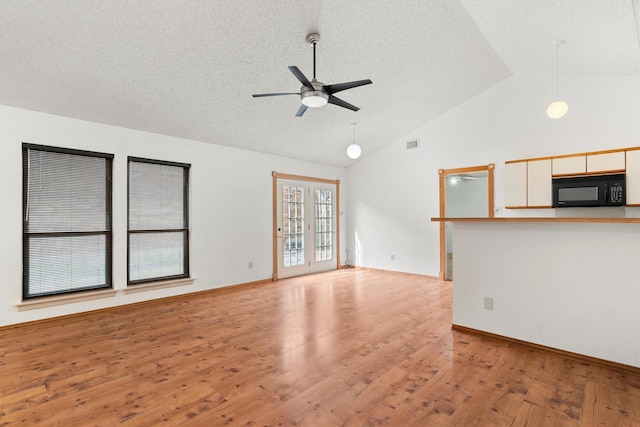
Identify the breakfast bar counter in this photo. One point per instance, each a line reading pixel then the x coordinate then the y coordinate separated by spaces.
pixel 543 219
pixel 568 283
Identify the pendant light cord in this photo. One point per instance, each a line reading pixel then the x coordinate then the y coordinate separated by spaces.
pixel 353 126
pixel 557 71
pixel 557 108
pixel 636 19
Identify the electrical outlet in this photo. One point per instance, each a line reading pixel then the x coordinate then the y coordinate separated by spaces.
pixel 250 265
pixel 393 257
pixel 488 303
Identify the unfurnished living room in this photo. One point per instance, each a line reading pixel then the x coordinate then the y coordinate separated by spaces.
pixel 320 213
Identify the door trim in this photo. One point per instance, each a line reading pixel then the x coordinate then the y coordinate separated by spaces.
pixel 277 175
pixel 442 196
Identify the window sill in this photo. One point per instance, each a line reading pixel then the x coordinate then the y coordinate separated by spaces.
pixel 65 299
pixel 52 301
pixel 158 285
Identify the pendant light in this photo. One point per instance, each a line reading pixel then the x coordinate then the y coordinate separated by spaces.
pixel 557 109
pixel 354 150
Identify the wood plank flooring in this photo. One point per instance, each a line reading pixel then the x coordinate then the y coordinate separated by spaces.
pixel 345 348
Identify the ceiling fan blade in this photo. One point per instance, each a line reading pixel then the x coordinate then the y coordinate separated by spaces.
pixel 260 95
pixel 301 110
pixel 344 86
pixel 339 102
pixel 296 72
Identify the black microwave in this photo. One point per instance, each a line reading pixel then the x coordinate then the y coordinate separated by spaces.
pixel 597 190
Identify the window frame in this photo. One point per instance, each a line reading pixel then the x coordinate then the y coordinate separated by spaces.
pixel 185 229
pixel 108 232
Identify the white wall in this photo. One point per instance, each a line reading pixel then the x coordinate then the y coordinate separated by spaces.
pixel 467 198
pixel 393 193
pixel 571 286
pixel 230 212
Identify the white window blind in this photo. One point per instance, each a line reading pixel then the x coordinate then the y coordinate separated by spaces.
pixel 158 220
pixel 67 220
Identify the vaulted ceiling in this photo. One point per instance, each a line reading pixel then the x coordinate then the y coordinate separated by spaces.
pixel 188 68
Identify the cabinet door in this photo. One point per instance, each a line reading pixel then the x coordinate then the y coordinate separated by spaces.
pixel 606 162
pixel 633 177
pixel 573 165
pixel 539 183
pixel 515 189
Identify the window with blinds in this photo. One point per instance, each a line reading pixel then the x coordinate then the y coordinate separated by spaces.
pixel 158 234
pixel 66 220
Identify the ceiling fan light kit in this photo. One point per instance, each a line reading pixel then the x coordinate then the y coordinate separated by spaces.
pixel 557 109
pixel 313 98
pixel 314 93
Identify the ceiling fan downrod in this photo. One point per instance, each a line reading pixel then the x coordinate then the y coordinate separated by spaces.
pixel 313 40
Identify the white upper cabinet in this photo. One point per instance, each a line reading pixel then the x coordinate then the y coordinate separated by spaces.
pixel 606 162
pixel 528 182
pixel 573 165
pixel 515 191
pixel 539 183
pixel 633 177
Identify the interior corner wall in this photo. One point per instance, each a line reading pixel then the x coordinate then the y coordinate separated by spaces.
pixel 230 205
pixel 393 193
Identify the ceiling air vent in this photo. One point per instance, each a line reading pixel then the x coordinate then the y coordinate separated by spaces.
pixel 413 144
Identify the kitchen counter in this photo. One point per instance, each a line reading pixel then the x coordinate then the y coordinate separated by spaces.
pixel 567 283
pixel 542 219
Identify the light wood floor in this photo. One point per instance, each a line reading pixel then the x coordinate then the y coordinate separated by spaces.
pixel 353 348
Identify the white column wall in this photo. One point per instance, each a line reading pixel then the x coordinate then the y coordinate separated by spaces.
pixel 570 286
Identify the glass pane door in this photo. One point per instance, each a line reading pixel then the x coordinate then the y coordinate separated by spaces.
pixel 293 225
pixel 305 228
pixel 324 229
pixel 293 228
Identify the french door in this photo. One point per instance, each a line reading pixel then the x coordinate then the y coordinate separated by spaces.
pixel 306 225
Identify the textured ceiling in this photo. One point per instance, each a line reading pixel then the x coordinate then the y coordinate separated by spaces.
pixel 188 68
pixel 600 35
